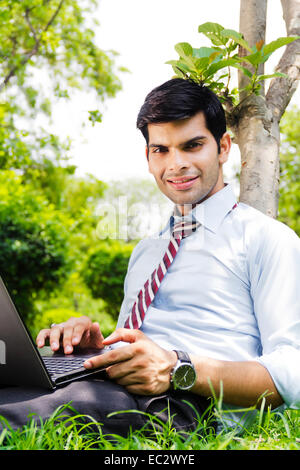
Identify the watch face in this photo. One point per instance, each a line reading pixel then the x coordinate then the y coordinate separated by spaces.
pixel 184 376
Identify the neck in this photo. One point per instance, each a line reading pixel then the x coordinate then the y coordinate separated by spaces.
pixel 182 210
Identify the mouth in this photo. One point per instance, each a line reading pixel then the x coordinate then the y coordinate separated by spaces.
pixel 183 182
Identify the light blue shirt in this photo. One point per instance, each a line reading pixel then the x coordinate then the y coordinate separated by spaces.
pixel 232 292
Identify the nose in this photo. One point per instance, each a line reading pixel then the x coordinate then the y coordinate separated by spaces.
pixel 177 160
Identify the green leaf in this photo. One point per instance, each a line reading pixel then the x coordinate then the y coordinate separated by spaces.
pixel 95 116
pixel 236 37
pixel 184 49
pixel 181 69
pixel 171 62
pixel 215 57
pixel 31 95
pixel 206 52
pixel 272 75
pixel 209 28
pixel 220 65
pixel 243 69
pixel 179 64
pixel 178 72
pixel 253 59
pixel 201 64
pixel 268 49
pixel 213 32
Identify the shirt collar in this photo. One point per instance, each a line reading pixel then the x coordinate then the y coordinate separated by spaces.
pixel 210 212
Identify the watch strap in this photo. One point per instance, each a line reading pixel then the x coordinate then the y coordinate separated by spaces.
pixel 183 356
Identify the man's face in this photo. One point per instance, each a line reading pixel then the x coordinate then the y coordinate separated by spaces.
pixel 184 160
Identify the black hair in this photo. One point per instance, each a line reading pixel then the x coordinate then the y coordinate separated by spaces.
pixel 180 98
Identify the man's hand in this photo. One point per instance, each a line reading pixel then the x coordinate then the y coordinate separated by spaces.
pixel 142 367
pixel 80 332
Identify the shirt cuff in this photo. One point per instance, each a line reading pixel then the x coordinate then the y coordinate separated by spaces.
pixel 283 366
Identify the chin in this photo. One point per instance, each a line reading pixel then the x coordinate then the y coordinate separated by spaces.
pixel 189 199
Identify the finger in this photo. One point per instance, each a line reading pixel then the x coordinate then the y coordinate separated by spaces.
pixel 111 357
pixel 128 379
pixel 55 335
pixel 42 336
pixel 78 333
pixel 67 339
pixel 123 334
pixel 125 374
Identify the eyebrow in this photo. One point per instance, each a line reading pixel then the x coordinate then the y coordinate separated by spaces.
pixel 183 144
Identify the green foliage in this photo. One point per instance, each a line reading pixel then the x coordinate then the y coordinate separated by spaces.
pixel 33 242
pixel 56 35
pixel 81 194
pixel 104 273
pixel 79 199
pixel 73 298
pixel 95 116
pixel 66 429
pixel 76 197
pixel 47 49
pixel 289 189
pixel 36 250
pixel 204 64
pixel 55 315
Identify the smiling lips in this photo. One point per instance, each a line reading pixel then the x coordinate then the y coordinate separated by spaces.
pixel 183 182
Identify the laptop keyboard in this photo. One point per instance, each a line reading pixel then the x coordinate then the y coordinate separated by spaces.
pixel 57 366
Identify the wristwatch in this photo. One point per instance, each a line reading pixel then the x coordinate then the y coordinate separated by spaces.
pixel 183 375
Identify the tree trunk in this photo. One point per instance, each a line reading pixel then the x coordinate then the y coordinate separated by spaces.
pixel 256 128
pixel 258 139
pixel 253 18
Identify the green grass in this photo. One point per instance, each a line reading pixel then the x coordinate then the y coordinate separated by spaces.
pixel 81 432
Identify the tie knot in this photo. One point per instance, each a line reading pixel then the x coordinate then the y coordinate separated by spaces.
pixel 184 228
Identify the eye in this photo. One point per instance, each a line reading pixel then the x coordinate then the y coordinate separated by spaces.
pixel 193 145
pixel 158 150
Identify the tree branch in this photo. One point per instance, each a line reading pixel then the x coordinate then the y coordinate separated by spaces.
pixel 53 16
pixel 281 90
pixel 30 24
pixel 35 49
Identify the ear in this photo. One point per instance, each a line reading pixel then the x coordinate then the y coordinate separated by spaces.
pixel 147 156
pixel 225 146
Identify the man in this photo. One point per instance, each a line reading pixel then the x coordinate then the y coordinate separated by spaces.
pixel 210 304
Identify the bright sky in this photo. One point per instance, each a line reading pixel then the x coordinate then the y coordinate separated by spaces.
pixel 144 33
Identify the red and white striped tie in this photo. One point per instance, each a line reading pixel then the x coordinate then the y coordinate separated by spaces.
pixel 146 295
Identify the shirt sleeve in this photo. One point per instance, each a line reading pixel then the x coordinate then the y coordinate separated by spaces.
pixel 275 290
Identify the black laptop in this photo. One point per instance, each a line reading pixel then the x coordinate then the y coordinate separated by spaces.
pixel 22 363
